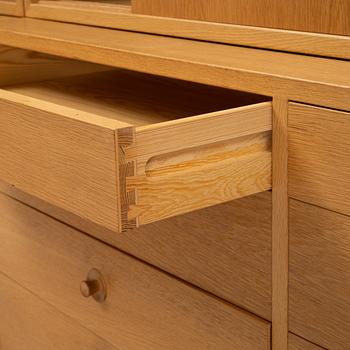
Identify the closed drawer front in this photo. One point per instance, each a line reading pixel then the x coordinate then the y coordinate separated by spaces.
pixel 239 232
pixel 319 156
pixel 297 343
pixel 144 309
pixel 30 323
pixel 140 148
pixel 319 290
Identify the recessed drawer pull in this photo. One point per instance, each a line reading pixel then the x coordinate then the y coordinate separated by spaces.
pixel 94 286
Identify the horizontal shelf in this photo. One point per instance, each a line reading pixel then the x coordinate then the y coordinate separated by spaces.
pixel 307 79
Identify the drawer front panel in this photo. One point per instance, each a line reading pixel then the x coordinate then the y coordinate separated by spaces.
pixel 30 323
pixel 65 160
pixel 239 232
pixel 297 343
pixel 224 249
pixel 319 303
pixel 145 308
pixel 319 157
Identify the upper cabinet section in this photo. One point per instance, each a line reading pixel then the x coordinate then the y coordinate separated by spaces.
pixel 326 16
pixel 293 26
pixel 71 10
pixel 11 7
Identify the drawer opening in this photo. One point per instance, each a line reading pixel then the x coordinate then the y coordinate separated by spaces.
pixel 135 98
pixel 124 149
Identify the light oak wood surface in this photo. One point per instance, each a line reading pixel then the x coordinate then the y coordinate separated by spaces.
pixel 319 161
pixel 134 175
pixel 183 245
pixel 181 166
pixel 120 17
pixel 131 97
pixel 123 6
pixel 61 155
pixel 144 309
pixel 319 304
pixel 297 343
pixel 280 224
pixel 327 16
pixel 12 7
pixel 30 323
pixel 251 70
pixel 19 66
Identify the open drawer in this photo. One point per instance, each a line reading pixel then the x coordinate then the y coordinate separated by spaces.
pixel 122 149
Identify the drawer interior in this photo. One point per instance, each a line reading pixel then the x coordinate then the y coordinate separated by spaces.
pixel 140 147
pixel 134 98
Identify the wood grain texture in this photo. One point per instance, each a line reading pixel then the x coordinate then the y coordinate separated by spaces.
pixel 120 6
pixel 280 223
pixel 21 66
pixel 12 7
pixel 61 155
pixel 276 39
pixel 319 162
pixel 209 144
pixel 135 98
pixel 251 70
pixel 327 16
pixel 235 231
pixel 145 308
pixel 30 323
pixel 297 343
pixel 319 304
pixel 201 161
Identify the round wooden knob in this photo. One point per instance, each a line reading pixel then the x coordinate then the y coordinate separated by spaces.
pixel 94 286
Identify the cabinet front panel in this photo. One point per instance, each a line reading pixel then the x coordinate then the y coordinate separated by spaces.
pixel 319 290
pixel 144 309
pixel 29 323
pixel 319 156
pixel 325 16
pixel 297 343
pixel 11 7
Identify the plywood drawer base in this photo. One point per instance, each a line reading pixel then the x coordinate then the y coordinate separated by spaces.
pixel 144 309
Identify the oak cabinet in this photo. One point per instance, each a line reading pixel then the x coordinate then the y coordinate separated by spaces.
pixel 12 7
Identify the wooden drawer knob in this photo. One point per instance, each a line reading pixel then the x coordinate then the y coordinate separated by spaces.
pixel 94 286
